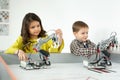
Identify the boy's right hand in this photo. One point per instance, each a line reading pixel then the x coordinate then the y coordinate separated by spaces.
pixel 21 54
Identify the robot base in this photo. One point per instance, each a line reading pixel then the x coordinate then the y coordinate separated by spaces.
pixel 34 65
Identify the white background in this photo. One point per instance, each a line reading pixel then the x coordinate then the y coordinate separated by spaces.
pixel 102 16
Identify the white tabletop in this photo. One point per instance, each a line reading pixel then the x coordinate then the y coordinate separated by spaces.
pixel 65 71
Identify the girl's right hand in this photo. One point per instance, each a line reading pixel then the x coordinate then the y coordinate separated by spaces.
pixel 22 56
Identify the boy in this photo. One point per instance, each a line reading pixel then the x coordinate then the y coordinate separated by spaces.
pixel 81 45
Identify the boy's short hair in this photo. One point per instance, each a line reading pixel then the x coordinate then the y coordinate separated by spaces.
pixel 78 25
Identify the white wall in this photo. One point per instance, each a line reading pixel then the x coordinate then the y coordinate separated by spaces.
pixel 102 16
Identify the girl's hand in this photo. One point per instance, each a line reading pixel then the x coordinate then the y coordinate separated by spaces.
pixel 59 33
pixel 21 55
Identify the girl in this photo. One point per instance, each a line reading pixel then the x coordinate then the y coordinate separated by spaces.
pixel 32 29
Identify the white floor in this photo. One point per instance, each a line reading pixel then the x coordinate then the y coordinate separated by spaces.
pixel 65 71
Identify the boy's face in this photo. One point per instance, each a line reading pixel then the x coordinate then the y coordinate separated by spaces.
pixel 82 34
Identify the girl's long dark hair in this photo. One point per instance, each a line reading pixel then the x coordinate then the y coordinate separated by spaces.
pixel 25 27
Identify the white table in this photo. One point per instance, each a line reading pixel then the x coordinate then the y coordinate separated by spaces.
pixel 65 71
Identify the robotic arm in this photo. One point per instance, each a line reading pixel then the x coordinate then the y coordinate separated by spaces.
pixel 103 45
pixel 102 59
pixel 41 41
pixel 43 55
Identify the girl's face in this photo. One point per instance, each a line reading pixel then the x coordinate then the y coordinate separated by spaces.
pixel 34 29
pixel 82 34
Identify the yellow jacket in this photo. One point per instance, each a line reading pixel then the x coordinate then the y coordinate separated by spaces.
pixel 46 46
